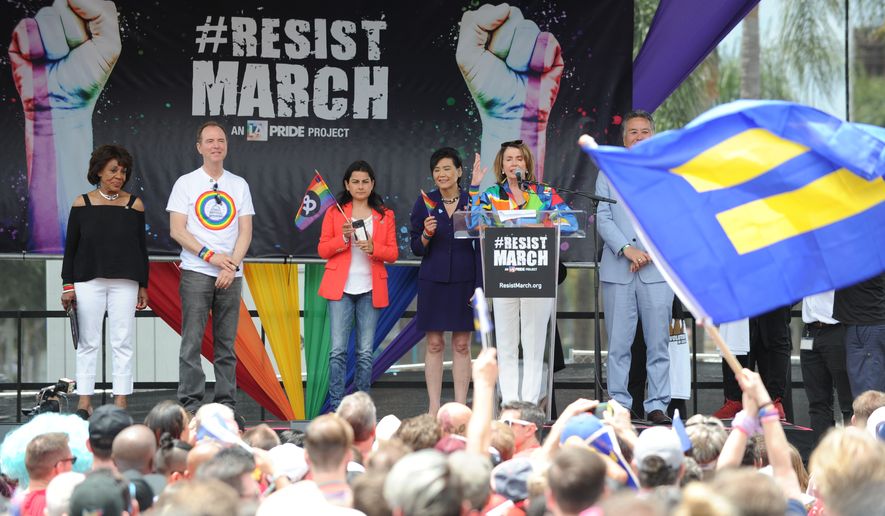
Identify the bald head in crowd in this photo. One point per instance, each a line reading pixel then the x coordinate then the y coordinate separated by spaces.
pixel 134 449
pixel 453 418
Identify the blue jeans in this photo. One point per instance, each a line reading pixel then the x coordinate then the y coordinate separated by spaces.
pixel 865 357
pixel 341 316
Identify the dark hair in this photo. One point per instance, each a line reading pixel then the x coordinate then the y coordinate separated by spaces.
pixel 530 412
pixel 102 155
pixel 654 472
pixel 637 113
pixel 443 153
pixel 344 197
pixel 228 465
pixel 166 417
pixel 209 123
pixel 171 454
pixel 295 437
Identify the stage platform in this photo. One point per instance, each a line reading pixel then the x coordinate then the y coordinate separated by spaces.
pixel 404 395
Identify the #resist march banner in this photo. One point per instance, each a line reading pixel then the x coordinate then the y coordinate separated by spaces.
pixel 298 87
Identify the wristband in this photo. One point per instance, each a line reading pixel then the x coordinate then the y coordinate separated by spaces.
pixel 766 404
pixel 427 235
pixel 745 423
pixel 67 287
pixel 768 412
pixel 621 250
pixel 206 254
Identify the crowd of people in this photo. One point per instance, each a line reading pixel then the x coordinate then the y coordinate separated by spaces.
pixel 462 460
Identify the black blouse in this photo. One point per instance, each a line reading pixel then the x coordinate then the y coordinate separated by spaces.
pixel 105 242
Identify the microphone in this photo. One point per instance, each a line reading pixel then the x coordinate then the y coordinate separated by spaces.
pixel 521 179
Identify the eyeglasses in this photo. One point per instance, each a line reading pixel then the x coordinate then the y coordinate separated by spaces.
pixel 510 421
pixel 215 189
pixel 514 143
pixel 72 460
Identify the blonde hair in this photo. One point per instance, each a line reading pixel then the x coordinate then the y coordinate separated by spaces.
pixel 498 166
pixel 798 467
pixel 698 499
pixel 844 459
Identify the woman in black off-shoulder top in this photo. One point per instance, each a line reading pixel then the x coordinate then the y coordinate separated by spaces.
pixel 105 268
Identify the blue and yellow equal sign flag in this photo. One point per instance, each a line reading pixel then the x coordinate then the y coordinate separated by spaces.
pixel 756 204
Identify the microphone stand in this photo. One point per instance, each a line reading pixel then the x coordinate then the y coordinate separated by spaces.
pixel 597 339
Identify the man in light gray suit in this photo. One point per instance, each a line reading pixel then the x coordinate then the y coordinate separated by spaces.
pixel 633 289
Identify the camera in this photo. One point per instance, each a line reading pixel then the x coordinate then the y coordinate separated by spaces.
pixel 47 397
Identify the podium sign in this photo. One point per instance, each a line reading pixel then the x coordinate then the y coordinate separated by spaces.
pixel 520 261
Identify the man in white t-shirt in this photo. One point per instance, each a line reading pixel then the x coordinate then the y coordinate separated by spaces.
pixel 210 216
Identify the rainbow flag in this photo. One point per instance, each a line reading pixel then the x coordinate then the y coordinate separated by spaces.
pixel 317 198
pixel 429 203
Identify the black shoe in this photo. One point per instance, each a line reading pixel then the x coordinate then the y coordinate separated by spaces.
pixel 657 417
pixel 83 413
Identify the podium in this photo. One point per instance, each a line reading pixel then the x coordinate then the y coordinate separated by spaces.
pixel 520 257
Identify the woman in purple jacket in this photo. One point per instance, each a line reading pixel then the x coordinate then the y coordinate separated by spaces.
pixel 447 277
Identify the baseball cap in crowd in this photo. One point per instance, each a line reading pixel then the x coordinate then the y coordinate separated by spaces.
pixel 105 423
pixel 511 478
pixel 876 424
pixel 583 426
pixel 659 442
pixel 99 493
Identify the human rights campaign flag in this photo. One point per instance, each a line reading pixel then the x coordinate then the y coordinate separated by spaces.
pixel 755 205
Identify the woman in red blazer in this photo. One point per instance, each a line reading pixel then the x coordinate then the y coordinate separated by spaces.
pixel 356 245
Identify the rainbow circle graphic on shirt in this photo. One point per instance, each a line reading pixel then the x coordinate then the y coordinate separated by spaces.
pixel 212 214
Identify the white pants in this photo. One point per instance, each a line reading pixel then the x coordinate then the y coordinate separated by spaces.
pixel 118 297
pixel 527 318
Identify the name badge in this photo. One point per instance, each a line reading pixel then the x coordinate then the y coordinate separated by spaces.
pixel 806 344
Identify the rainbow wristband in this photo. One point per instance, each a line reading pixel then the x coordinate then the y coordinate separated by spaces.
pixel 427 235
pixel 206 254
pixel 67 287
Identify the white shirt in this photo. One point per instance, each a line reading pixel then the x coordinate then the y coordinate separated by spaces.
pixel 212 215
pixel 819 308
pixel 359 278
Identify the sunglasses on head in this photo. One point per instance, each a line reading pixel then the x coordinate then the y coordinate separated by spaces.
pixel 215 189
pixel 514 143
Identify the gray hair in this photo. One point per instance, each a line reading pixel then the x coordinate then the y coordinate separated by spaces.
pixel 358 410
pixel 421 483
pixel 473 472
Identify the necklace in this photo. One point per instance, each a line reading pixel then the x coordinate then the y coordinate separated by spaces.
pixel 453 200
pixel 112 197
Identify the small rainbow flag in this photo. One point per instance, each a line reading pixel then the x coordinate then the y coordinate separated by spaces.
pixel 429 203
pixel 317 198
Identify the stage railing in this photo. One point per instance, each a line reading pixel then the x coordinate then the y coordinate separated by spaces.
pixel 104 384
